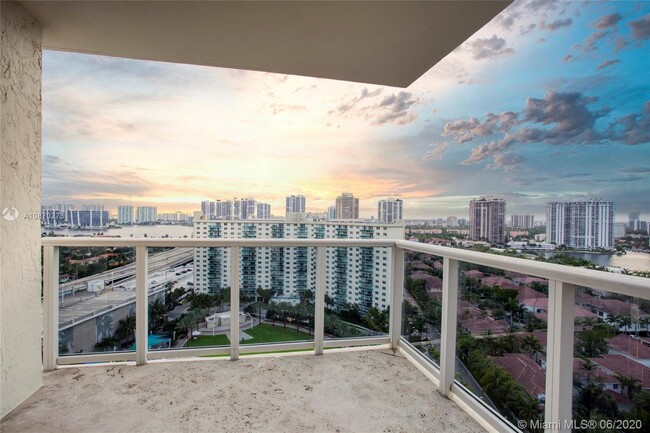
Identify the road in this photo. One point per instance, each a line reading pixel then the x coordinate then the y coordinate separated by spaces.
pixel 157 262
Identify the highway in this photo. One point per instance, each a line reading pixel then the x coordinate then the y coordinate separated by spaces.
pixel 157 262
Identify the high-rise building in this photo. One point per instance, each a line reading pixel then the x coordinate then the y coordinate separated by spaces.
pixel 51 217
pixel 331 213
pixel 295 204
pixel 244 209
pixel 263 211
pixel 347 207
pixel 389 210
pixel 620 230
pixel 146 214
pixel 353 275
pixel 633 216
pixel 522 221
pixel 93 207
pixel 125 214
pixel 487 219
pixel 452 221
pixel 585 224
pixel 87 218
pixel 173 217
pixel 462 222
pixel 207 209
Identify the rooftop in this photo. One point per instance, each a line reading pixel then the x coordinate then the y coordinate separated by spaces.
pixel 371 390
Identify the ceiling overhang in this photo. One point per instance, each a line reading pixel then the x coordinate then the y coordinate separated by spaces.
pixel 386 43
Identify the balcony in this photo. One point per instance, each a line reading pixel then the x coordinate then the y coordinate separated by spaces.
pixel 351 373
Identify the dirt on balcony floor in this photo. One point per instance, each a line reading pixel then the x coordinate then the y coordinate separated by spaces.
pixel 362 391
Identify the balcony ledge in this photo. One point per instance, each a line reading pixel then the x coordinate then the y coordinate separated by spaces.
pixel 355 391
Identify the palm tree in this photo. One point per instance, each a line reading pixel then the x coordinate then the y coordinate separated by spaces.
pixel 628 383
pixel 187 322
pixel 126 328
pixel 531 343
pixel 614 320
pixel 496 382
pixel 645 321
pixel 626 322
pixel 157 314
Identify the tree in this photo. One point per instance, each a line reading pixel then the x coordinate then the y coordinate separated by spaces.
pixel 593 343
pixel 126 328
pixel 265 295
pixel 376 320
pixel 187 322
pixel 531 345
pixel 629 384
pixel 157 314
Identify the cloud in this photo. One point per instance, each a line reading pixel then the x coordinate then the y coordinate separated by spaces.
pixel 437 151
pixel 508 162
pixel 607 21
pixel 635 170
pixel 633 128
pixel 641 28
pixel 556 25
pixel 568 58
pixel 489 48
pixel 559 118
pixel 351 103
pixel 607 63
pixel 467 130
pixel 393 108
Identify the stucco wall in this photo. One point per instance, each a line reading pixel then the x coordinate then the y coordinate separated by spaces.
pixel 20 170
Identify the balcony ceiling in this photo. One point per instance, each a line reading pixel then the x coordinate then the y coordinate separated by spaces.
pixel 386 43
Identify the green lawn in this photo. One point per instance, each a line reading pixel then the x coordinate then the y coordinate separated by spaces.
pixel 261 334
pixel 264 333
pixel 209 340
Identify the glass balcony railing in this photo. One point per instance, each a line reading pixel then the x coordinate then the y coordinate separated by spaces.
pixel 522 345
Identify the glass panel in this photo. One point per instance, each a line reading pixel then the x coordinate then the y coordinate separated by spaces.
pixel 357 289
pixel 422 306
pixel 611 368
pixel 501 338
pixel 97 300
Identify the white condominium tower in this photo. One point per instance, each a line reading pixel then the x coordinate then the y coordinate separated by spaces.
pixel 125 214
pixel 522 221
pixel 585 224
pixel 295 204
pixel 352 275
pixel 389 210
pixel 487 219
pixel 263 211
pixel 146 214
pixel 347 207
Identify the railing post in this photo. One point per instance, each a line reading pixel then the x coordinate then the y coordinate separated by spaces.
pixel 448 331
pixel 559 355
pixel 234 303
pixel 141 304
pixel 319 307
pixel 397 295
pixel 50 307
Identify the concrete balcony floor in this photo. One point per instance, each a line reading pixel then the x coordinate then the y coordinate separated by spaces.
pixel 356 391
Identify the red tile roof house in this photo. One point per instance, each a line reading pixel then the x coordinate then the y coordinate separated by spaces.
pixel 599 375
pixel 527 292
pixel 527 281
pixel 626 367
pixel 430 282
pixel 420 265
pixel 539 307
pixel 478 326
pixel 474 274
pixel 525 371
pixel 499 282
pixel 605 308
pixel 631 347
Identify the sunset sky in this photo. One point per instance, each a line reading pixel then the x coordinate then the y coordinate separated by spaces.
pixel 549 101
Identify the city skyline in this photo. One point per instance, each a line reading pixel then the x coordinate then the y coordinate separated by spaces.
pixel 545 103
